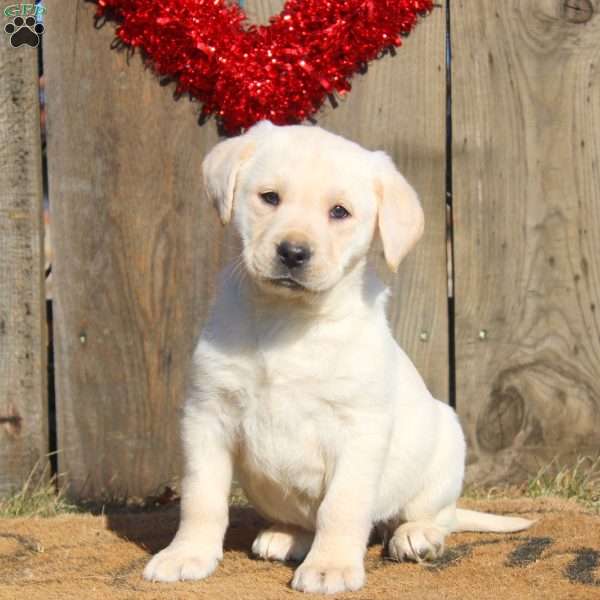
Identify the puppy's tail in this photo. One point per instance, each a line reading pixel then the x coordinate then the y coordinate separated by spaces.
pixel 470 520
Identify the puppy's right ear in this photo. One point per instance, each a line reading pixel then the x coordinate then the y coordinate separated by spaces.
pixel 220 170
pixel 221 166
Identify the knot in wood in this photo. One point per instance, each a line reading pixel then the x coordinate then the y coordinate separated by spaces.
pixel 577 11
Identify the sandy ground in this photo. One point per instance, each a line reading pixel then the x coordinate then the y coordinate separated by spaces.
pixel 101 557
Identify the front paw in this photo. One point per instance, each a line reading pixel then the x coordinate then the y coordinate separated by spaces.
pixel 181 561
pixel 328 578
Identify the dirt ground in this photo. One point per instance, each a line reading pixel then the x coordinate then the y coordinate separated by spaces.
pixel 101 557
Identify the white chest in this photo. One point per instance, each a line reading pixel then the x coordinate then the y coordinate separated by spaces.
pixel 293 406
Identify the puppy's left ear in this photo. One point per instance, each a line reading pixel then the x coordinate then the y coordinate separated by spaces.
pixel 220 170
pixel 400 218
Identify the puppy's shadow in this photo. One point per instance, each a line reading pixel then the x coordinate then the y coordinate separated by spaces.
pixel 153 530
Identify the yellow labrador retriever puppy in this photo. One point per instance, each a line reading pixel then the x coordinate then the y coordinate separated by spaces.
pixel 298 385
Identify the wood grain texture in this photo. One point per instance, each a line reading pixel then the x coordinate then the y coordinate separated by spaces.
pixel 399 106
pixel 526 153
pixel 23 394
pixel 136 249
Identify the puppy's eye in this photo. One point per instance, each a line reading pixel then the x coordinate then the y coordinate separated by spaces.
pixel 271 198
pixel 338 212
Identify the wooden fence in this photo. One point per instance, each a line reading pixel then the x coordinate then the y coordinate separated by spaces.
pixel 136 247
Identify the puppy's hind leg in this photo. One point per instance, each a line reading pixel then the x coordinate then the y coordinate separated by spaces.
pixel 422 539
pixel 431 515
pixel 282 542
pixel 417 541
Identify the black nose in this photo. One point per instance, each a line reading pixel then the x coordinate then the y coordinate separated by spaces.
pixel 292 254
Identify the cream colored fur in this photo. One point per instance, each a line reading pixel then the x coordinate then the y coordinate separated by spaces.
pixel 302 391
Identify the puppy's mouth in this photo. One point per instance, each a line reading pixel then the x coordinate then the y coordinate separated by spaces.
pixel 286 282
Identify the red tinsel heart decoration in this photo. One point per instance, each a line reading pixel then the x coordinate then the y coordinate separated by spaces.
pixel 283 71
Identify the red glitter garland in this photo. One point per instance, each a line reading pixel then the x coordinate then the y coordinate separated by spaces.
pixel 283 71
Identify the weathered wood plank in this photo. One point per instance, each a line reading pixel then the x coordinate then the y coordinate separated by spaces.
pixel 400 106
pixel 23 393
pixel 135 252
pixel 526 155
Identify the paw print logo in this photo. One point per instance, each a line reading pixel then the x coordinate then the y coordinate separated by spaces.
pixel 24 31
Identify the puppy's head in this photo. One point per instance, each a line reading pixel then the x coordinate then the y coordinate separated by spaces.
pixel 307 204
